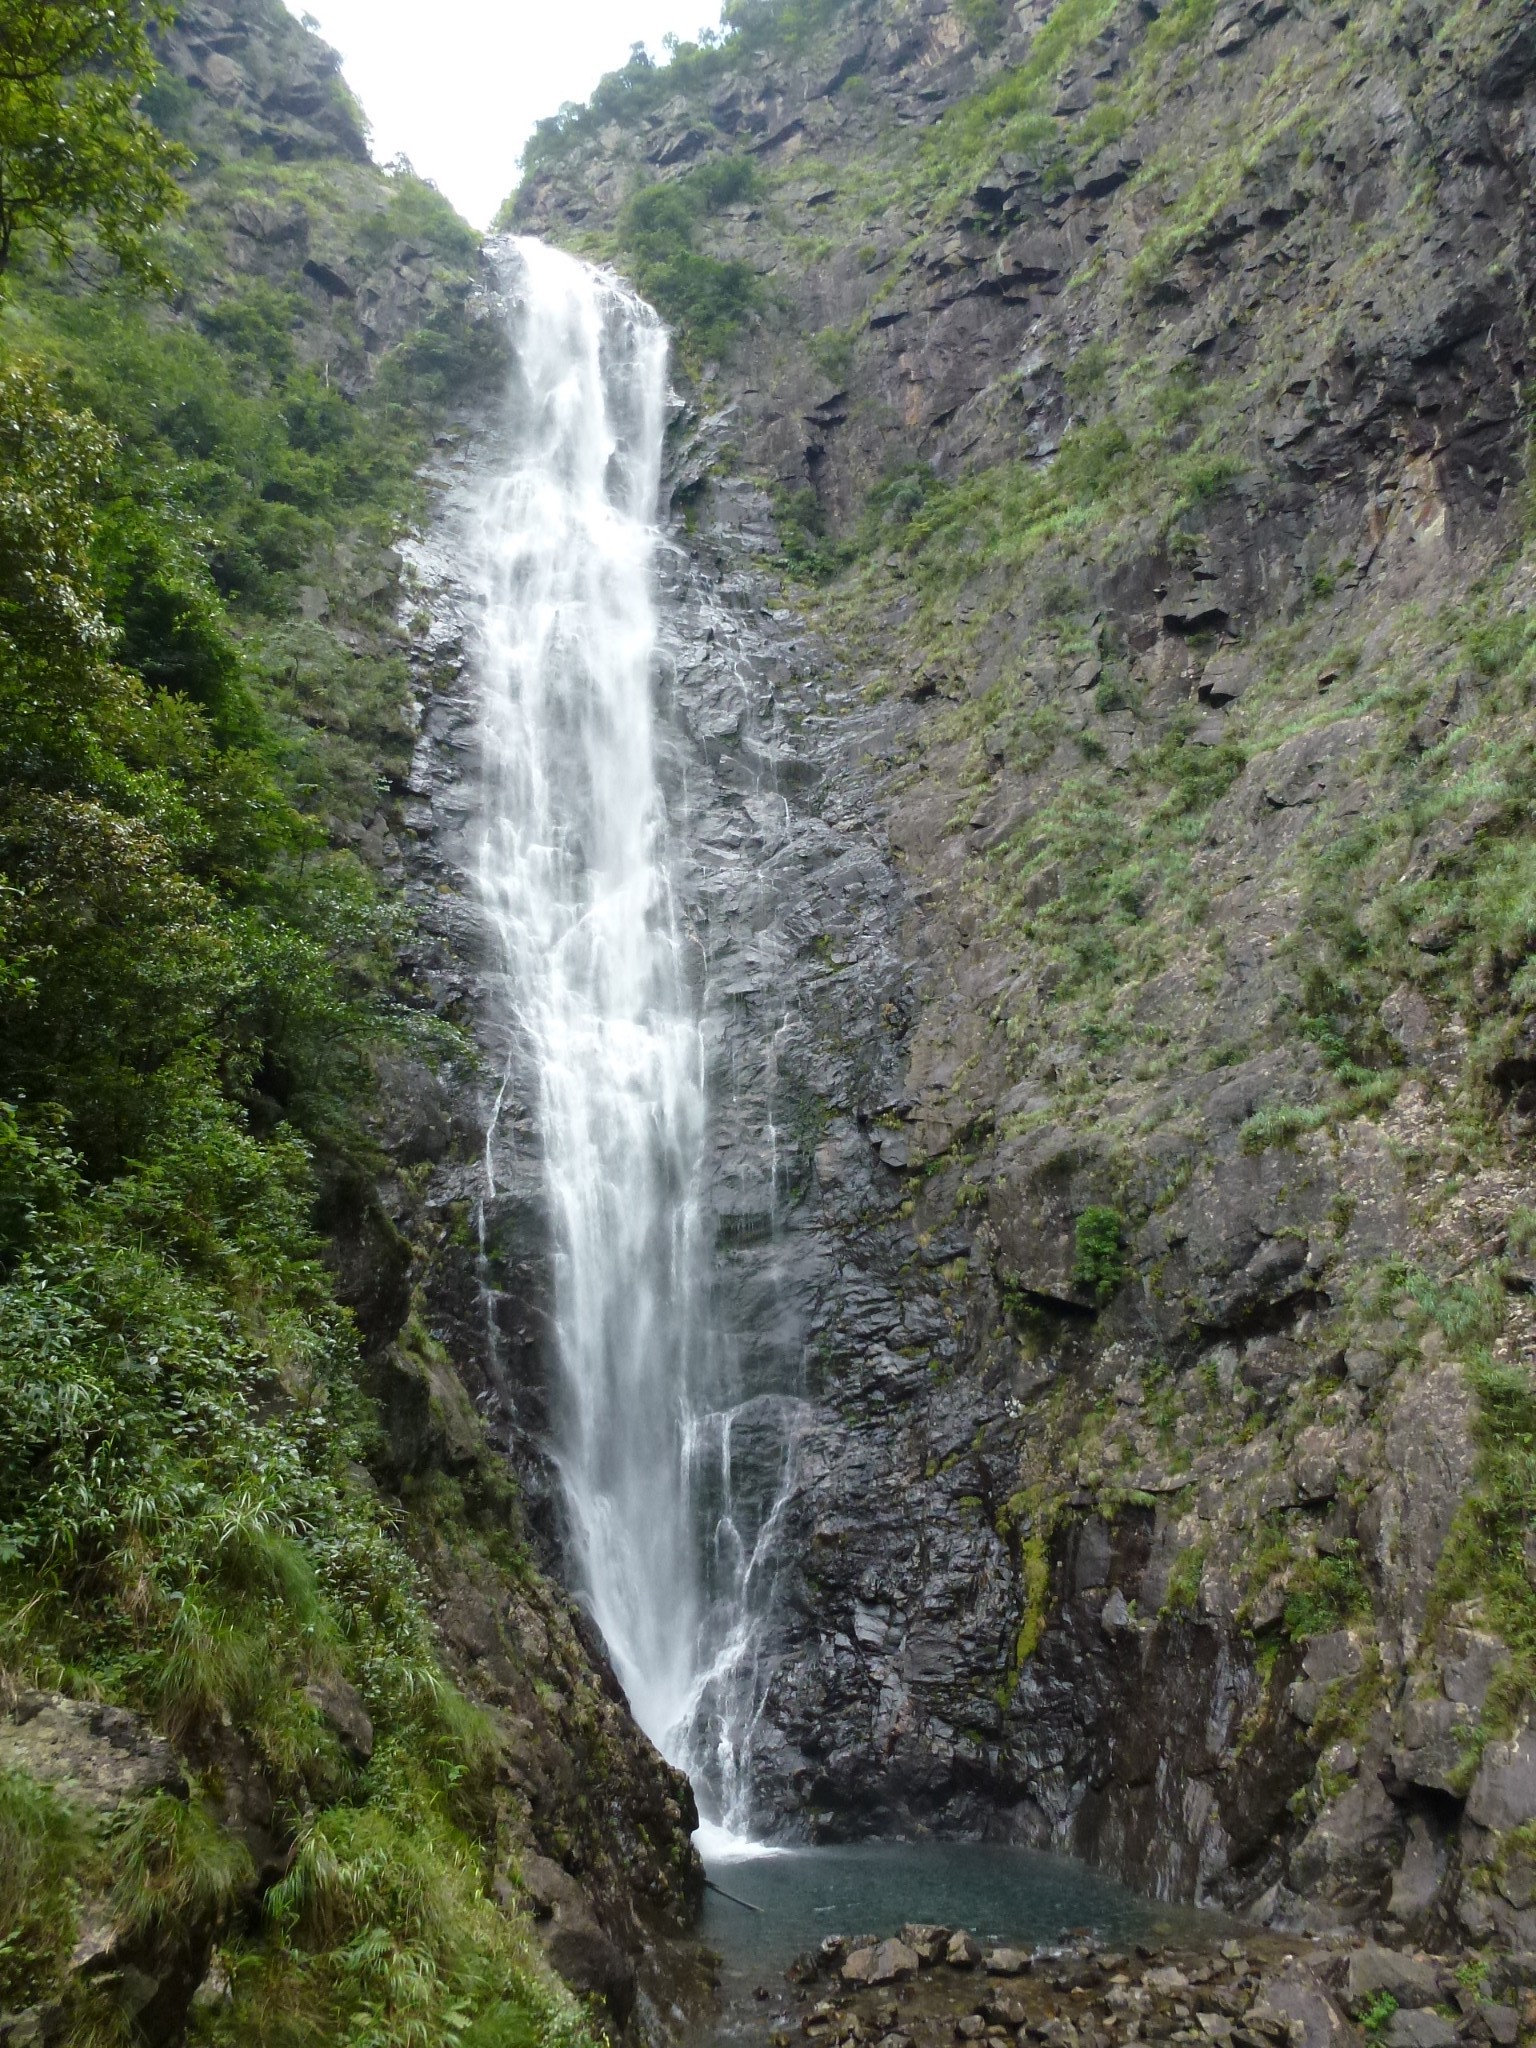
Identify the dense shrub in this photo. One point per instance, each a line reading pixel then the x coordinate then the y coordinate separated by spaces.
pixel 705 299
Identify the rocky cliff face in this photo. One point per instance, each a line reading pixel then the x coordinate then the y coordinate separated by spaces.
pixel 1103 645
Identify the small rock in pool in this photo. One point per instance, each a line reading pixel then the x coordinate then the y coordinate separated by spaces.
pixel 963 1951
pixel 1007 1962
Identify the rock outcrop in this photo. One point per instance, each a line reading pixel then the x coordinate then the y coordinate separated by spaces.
pixel 258 76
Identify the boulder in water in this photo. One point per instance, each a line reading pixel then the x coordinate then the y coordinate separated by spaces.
pixel 927 1941
pixel 893 1961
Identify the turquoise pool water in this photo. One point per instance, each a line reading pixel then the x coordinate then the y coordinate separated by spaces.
pixel 792 1899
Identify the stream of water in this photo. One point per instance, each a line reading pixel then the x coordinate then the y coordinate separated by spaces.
pixel 575 879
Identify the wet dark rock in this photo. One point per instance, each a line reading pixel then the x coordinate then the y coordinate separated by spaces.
pixel 568 1931
pixel 1503 1794
pixel 1373 1970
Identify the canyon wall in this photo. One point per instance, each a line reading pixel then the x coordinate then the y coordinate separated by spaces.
pixel 1102 486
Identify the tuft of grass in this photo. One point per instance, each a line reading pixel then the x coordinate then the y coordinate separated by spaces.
pixel 176 1866
pixel 1283 1123
pixel 1327 1593
pixel 1484 1557
pixel 46 1848
pixel 381 1933
pixel 1184 1581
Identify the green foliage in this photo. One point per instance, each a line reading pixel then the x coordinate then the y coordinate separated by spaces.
pixel 1098 1264
pixel 193 978
pixel 706 300
pixel 1327 1593
pixel 1035 1558
pixel 380 1933
pixel 1087 375
pixel 1282 1123
pixel 1218 186
pixel 985 19
pixel 266 464
pixel 895 503
pixel 1107 471
pixel 807 549
pixel 832 352
pixel 176 1867
pixel 1485 1553
pixel 1183 1594
pixel 416 212
pixel 1374 2014
pixel 73 144
pixel 1014 114
pixel 166 934
pixel 1485 1558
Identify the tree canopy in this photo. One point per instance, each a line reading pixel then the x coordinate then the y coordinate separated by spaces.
pixel 74 146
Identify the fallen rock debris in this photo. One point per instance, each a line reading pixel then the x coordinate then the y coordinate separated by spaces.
pixel 929 1987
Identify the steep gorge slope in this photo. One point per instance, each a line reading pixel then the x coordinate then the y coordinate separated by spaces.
pixel 1138 396
pixel 296 1739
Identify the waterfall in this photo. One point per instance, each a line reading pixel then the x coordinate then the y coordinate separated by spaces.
pixel 575 882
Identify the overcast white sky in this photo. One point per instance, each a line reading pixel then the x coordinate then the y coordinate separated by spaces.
pixel 456 85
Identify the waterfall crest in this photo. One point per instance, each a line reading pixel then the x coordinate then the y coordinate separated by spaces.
pixel 575 881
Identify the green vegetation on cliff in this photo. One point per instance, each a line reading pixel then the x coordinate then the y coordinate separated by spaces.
pixel 707 300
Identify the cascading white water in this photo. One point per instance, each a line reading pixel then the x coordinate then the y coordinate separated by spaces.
pixel 575 881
